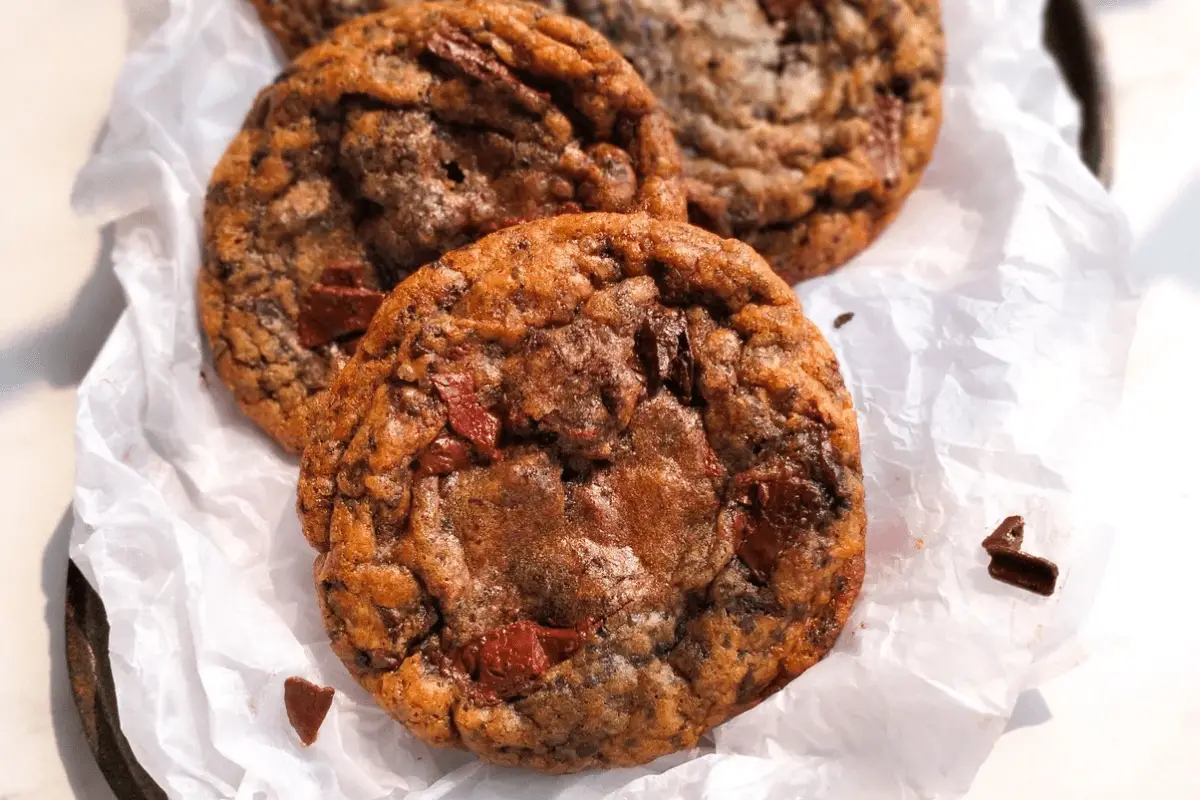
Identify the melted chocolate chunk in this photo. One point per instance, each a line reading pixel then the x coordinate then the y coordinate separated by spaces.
pixel 330 312
pixel 784 507
pixel 506 660
pixel 306 704
pixel 460 50
pixel 1024 571
pixel 467 417
pixel 444 455
pixel 666 354
pixel 344 273
pixel 883 143
pixel 1008 536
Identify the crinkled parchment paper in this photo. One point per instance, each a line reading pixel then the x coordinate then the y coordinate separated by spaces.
pixel 990 331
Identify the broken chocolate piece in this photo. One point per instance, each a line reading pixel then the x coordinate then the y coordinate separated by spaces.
pixel 1009 535
pixel 883 142
pixel 306 704
pixel 1024 571
pixel 329 312
pixel 444 455
pixel 666 354
pixel 467 417
pixel 344 273
pixel 506 660
pixel 842 319
pixel 485 66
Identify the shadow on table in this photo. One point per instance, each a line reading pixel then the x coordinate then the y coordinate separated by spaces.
pixel 1030 711
pixel 80 766
pixel 59 352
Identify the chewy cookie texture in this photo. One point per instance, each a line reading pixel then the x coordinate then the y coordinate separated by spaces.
pixel 401 137
pixel 804 123
pixel 588 487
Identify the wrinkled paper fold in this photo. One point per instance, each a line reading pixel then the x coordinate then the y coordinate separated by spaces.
pixel 990 331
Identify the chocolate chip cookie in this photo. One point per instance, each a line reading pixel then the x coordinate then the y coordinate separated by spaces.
pixel 403 136
pixel 804 123
pixel 589 487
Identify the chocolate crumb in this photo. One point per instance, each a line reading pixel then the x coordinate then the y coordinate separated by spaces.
pixel 842 319
pixel 307 704
pixel 1008 536
pixel 1024 571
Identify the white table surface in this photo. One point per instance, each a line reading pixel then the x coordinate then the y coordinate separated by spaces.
pixel 1123 724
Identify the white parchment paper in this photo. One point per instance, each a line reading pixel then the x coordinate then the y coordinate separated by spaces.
pixel 990 330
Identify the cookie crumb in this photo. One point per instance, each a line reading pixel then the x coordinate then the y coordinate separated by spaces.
pixel 307 704
pixel 842 319
pixel 920 544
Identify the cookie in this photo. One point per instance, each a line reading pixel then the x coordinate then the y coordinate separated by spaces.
pixel 403 136
pixel 804 123
pixel 588 488
pixel 299 24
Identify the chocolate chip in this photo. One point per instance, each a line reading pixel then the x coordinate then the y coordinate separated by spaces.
pixel 330 312
pixel 883 142
pixel 306 704
pixel 842 319
pixel 466 416
pixel 1009 535
pixel 1024 571
pixel 470 58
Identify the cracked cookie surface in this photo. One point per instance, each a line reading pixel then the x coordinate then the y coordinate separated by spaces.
pixel 403 136
pixel 589 487
pixel 804 123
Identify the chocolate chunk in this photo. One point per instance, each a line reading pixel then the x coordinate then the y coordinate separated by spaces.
pixel 1024 571
pixel 306 704
pixel 329 312
pixel 783 506
pixel 506 660
pixel 462 51
pixel 377 659
pixel 1008 536
pixel 344 273
pixel 883 143
pixel 666 354
pixel 444 455
pixel 467 417
pixel 842 319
